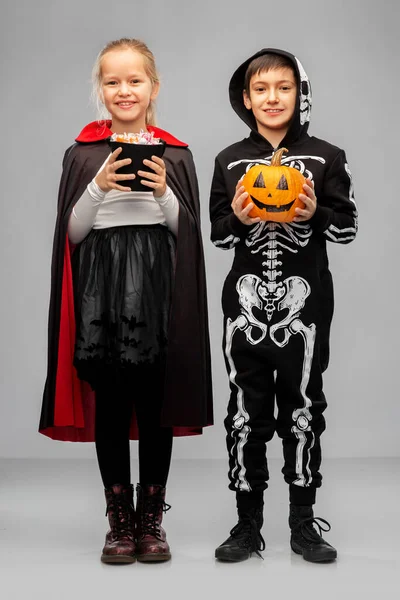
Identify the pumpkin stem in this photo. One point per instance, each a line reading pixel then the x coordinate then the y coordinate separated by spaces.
pixel 277 157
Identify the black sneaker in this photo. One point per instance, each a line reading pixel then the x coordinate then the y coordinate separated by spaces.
pixel 305 539
pixel 244 538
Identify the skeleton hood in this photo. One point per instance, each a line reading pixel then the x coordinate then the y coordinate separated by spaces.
pixel 301 118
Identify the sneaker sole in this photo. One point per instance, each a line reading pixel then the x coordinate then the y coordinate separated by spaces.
pixel 230 558
pixel 324 558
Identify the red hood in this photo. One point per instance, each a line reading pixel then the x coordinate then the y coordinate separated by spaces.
pixel 96 131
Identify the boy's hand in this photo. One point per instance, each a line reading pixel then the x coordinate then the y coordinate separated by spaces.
pixel 237 206
pixel 310 202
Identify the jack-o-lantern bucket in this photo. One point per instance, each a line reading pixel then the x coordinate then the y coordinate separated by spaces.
pixel 274 190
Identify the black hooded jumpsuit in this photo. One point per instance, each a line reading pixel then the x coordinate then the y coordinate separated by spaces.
pixel 278 300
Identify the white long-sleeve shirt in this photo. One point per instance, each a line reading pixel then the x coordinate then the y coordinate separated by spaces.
pixel 96 209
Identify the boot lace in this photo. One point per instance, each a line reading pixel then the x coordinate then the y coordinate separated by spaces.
pixel 122 516
pixel 307 530
pixel 150 521
pixel 247 534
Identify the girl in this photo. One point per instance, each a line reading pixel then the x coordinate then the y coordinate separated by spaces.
pixel 128 353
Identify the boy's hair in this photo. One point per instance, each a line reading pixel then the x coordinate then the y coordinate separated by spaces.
pixel 149 65
pixel 266 62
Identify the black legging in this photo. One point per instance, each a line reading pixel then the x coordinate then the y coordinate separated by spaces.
pixel 114 405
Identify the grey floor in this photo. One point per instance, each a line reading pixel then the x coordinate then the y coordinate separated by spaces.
pixel 52 528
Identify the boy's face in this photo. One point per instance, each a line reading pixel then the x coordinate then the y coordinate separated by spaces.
pixel 272 98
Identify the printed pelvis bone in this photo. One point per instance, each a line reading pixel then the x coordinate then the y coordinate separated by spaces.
pixel 248 288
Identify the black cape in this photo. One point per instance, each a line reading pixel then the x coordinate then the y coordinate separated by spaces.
pixel 68 403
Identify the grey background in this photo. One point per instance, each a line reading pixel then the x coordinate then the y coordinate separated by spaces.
pixel 350 51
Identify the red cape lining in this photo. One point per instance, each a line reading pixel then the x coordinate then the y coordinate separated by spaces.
pixel 100 130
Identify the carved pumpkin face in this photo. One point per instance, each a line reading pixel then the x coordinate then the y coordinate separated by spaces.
pixel 274 190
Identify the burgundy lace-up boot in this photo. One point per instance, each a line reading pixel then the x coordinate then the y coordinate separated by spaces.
pixel 152 545
pixel 120 544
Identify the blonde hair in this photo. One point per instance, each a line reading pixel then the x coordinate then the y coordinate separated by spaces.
pixel 149 65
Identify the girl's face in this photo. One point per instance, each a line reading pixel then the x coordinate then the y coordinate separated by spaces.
pixel 127 89
pixel 272 99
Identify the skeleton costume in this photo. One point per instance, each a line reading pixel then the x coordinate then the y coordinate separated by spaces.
pixel 278 300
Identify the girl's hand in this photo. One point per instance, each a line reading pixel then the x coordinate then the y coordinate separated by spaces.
pixel 108 179
pixel 237 206
pixel 310 201
pixel 158 179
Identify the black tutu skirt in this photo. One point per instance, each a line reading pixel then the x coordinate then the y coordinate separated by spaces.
pixel 122 286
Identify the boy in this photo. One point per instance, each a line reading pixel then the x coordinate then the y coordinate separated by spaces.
pixel 278 300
